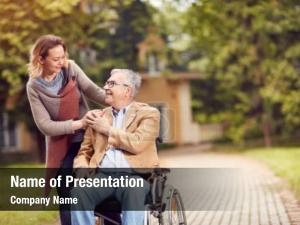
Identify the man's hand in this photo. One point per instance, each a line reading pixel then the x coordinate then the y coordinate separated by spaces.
pixel 99 124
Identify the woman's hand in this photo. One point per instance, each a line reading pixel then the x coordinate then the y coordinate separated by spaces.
pixel 82 123
pixel 78 124
pixel 90 114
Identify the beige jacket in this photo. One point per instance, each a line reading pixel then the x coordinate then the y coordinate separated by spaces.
pixel 137 139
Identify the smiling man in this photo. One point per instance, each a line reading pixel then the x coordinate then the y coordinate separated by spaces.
pixel 122 137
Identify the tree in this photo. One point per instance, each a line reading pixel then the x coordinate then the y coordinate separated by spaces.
pixel 22 22
pixel 132 28
pixel 249 53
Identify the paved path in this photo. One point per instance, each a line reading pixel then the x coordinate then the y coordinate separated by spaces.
pixel 249 194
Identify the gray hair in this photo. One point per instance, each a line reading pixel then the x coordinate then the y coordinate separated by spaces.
pixel 133 79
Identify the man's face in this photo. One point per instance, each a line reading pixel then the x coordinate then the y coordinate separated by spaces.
pixel 117 89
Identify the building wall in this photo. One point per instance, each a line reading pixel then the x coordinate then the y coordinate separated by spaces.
pixel 22 149
pixel 159 90
pixel 26 142
pixel 211 132
pixel 190 131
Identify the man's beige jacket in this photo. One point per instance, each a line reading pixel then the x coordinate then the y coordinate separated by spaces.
pixel 136 139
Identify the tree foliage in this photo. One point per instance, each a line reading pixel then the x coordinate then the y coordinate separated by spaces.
pixel 99 34
pixel 249 54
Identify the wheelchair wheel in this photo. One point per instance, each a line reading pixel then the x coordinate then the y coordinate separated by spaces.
pixel 151 219
pixel 174 213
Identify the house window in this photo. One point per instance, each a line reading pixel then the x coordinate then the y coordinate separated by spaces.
pixel 8 133
pixel 152 63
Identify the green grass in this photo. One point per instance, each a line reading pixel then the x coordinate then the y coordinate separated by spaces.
pixel 284 161
pixel 24 165
pixel 27 217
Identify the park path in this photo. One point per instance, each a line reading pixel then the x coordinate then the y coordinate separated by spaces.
pixel 250 194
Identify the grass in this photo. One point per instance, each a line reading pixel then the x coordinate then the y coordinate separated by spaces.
pixel 284 161
pixel 27 217
pixel 24 165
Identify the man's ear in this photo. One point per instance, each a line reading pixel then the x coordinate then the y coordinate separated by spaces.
pixel 129 91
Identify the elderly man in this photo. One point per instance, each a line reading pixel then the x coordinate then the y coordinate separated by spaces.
pixel 122 137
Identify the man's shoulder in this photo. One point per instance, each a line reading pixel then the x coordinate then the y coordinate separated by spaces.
pixel 144 107
pixel 106 109
pixel 138 107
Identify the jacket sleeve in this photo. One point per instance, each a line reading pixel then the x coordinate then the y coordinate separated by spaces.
pixel 89 89
pixel 142 138
pixel 86 150
pixel 42 118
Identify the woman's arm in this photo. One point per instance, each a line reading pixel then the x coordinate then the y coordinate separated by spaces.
pixel 87 86
pixel 43 120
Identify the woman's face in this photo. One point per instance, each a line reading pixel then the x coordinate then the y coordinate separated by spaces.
pixel 53 63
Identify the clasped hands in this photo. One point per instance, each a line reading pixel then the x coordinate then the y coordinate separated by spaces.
pixel 95 120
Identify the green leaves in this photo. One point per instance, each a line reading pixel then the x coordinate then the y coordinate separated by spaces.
pixel 99 34
pixel 251 54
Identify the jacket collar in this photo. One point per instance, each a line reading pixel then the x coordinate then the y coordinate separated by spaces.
pixel 130 115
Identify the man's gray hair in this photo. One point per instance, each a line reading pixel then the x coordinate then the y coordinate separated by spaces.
pixel 133 79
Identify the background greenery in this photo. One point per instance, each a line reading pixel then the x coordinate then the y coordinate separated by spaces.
pixel 247 53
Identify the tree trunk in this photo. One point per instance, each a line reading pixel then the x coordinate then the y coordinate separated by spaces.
pixel 266 126
pixel 267 120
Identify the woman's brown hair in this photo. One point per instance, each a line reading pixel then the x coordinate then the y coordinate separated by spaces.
pixel 40 49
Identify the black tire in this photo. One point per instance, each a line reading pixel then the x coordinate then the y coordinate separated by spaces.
pixel 174 213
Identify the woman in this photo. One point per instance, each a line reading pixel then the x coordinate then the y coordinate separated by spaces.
pixel 56 91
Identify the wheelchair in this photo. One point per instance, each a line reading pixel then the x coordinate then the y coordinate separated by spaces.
pixel 164 205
